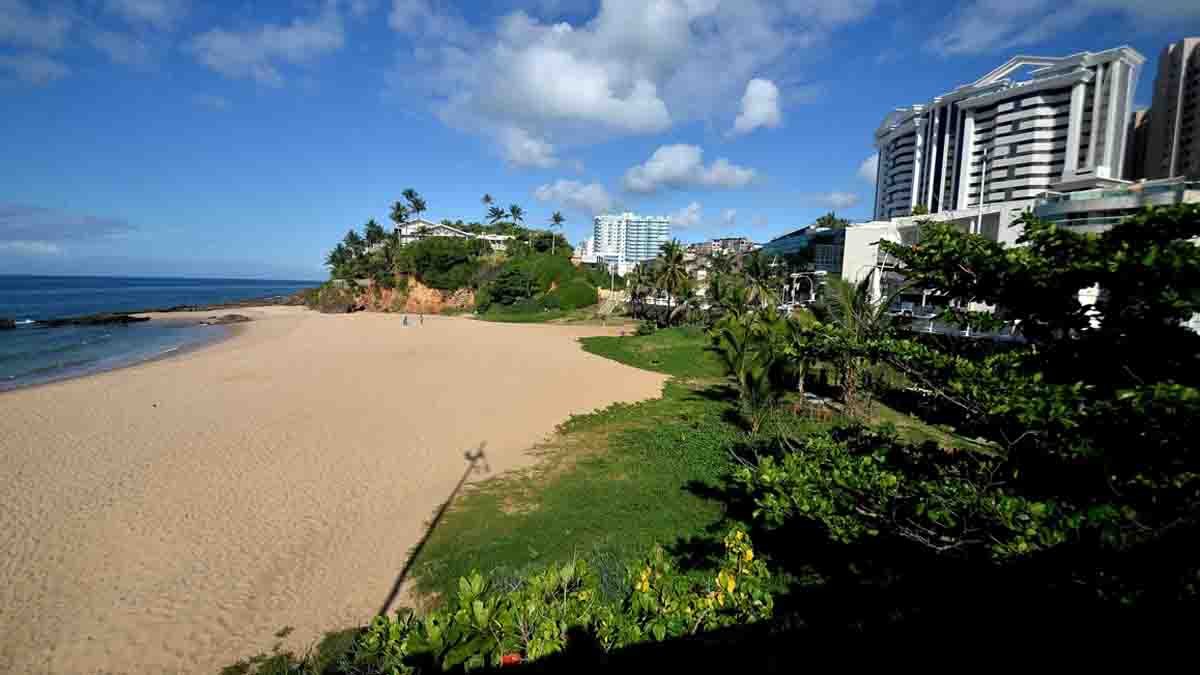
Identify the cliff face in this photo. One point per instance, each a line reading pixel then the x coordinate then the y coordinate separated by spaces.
pixel 416 299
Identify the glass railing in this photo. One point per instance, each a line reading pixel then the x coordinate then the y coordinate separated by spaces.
pixel 1085 195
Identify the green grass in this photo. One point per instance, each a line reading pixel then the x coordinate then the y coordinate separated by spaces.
pixel 682 352
pixel 540 316
pixel 609 486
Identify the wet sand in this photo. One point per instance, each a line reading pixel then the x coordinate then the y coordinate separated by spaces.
pixel 173 516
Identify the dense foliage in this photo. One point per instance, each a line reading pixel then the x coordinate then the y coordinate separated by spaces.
pixel 533 275
pixel 1087 418
pixel 444 263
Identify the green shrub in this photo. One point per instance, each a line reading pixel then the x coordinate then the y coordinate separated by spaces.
pixel 444 263
pixel 552 300
pixel 490 628
pixel 331 298
pixel 577 293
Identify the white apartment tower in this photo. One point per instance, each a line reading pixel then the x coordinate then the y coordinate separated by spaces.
pixel 1067 121
pixel 627 239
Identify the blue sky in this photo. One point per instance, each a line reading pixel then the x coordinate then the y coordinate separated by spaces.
pixel 178 137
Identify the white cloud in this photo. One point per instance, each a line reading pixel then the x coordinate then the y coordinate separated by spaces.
pixel 121 48
pixel 256 53
pixel 521 149
pixel 868 170
pixel 634 67
pixel 212 101
pixel 162 14
pixel 31 247
pixel 589 197
pixel 689 216
pixel 21 26
pixel 991 25
pixel 760 107
pixel 418 18
pixel 729 217
pixel 833 200
pixel 361 8
pixel 34 68
pixel 35 230
pixel 682 166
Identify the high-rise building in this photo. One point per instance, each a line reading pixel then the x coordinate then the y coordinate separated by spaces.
pixel 627 239
pixel 1173 143
pixel 1003 139
pixel 1136 145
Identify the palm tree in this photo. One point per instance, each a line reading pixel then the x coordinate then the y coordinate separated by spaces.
pixel 637 283
pixel 556 220
pixel 858 319
pixel 759 281
pixel 374 233
pixel 496 214
pixel 354 243
pixel 672 273
pixel 516 213
pixel 721 263
pixel 487 199
pixel 415 203
pixel 399 214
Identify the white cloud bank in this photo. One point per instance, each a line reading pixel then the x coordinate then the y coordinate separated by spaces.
pixel 682 166
pixel 688 216
pixel 868 170
pixel 634 67
pixel 833 200
pixel 760 107
pixel 258 53
pixel 588 197
pixel 993 25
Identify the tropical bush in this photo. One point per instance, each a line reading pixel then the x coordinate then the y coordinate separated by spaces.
pixel 574 294
pixel 444 263
pixel 331 298
pixel 490 627
pixel 1088 419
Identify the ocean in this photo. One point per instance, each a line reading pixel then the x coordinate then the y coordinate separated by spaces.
pixel 33 354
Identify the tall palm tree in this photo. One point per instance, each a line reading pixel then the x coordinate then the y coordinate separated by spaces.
pixel 496 214
pixel 415 203
pixel 399 214
pixel 487 199
pixel 672 273
pixel 374 233
pixel 556 220
pixel 637 283
pixel 759 280
pixel 516 213
pixel 857 319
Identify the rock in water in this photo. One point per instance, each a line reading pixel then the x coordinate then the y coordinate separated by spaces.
pixel 94 320
pixel 226 319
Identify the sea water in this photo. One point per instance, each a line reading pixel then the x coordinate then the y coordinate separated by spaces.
pixel 33 354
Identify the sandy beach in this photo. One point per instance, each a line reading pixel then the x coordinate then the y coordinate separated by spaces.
pixel 173 516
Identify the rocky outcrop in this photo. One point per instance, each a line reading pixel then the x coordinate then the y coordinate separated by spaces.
pixel 225 320
pixel 94 320
pixel 416 298
pixel 7 324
